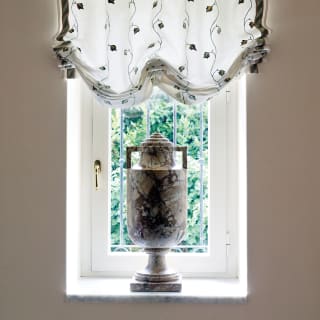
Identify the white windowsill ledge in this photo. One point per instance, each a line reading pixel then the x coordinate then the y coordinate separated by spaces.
pixel 193 291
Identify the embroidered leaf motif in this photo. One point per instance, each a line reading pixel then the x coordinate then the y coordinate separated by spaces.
pixel 136 30
pixel 80 6
pixel 221 72
pixel 155 3
pixel 209 8
pixel 113 47
pixel 161 25
pixel 181 68
pixel 192 47
pixel 151 45
pixel 206 55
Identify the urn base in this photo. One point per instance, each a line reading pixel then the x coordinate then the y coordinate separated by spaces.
pixel 156 276
pixel 170 286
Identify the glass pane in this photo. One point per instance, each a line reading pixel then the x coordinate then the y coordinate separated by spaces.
pixel 176 122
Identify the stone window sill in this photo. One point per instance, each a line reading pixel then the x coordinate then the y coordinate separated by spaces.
pixel 193 291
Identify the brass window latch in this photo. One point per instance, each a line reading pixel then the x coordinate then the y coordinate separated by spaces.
pixel 97 171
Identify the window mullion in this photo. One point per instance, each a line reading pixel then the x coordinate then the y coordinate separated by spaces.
pixel 148 120
pixel 174 123
pixel 121 162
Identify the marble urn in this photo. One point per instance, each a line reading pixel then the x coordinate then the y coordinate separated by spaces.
pixel 157 208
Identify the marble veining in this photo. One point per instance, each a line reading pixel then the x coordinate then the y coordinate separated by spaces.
pixel 156 198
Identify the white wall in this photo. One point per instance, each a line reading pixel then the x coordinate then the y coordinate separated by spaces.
pixel 284 179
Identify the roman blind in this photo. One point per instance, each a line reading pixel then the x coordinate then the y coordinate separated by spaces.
pixel 188 48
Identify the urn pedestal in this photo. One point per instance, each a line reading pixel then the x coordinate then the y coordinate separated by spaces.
pixel 157 208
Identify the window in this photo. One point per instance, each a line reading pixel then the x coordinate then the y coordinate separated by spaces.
pixel 90 129
pixel 182 125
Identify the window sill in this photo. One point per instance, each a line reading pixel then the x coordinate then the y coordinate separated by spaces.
pixel 193 291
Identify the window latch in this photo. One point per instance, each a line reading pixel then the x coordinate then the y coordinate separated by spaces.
pixel 97 171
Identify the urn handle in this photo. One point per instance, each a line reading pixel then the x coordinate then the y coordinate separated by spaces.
pixel 184 155
pixel 129 151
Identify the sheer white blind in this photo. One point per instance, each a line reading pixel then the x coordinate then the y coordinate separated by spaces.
pixel 188 48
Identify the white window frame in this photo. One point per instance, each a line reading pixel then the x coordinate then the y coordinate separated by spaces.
pixel 87 142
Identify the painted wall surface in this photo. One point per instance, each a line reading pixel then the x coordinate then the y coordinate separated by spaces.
pixel 283 169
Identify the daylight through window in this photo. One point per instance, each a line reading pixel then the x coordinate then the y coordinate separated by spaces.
pixel 182 125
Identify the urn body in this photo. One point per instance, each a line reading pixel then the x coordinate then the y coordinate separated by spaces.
pixel 156 195
pixel 157 209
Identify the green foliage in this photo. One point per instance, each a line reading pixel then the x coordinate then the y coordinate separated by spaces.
pixel 188 133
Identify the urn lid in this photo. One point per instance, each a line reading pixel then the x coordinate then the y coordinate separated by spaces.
pixel 157 140
pixel 157 153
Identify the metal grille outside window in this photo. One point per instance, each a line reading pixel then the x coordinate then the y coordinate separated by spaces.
pixel 183 125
